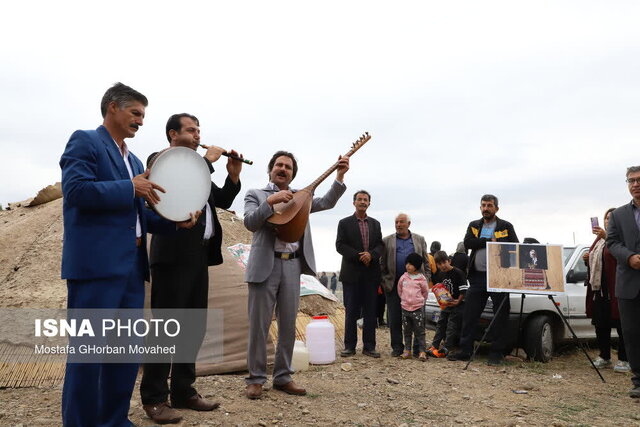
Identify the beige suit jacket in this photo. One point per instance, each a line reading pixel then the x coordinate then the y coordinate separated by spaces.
pixel 389 259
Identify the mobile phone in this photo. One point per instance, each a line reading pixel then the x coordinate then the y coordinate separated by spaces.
pixel 594 221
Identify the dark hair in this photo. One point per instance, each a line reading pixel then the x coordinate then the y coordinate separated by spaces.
pixel 122 95
pixel 440 256
pixel 607 213
pixel 174 123
pixel 435 246
pixel 286 154
pixel 530 240
pixel 414 259
pixel 632 169
pixel 489 198
pixel 361 192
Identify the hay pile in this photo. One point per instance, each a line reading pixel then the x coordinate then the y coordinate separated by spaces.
pixel 31 249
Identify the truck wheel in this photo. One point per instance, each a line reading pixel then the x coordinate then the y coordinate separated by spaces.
pixel 539 343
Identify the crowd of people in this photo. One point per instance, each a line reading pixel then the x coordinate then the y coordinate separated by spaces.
pixel 105 188
pixel 612 298
pixel 406 270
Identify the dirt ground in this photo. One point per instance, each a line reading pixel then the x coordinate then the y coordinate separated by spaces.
pixel 393 392
pixel 367 392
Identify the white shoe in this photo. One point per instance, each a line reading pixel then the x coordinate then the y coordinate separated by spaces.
pixel 622 367
pixel 602 363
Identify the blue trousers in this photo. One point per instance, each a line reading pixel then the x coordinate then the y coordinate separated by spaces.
pixel 98 394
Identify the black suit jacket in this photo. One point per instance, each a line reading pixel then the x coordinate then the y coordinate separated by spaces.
pixel 349 245
pixel 182 246
pixel 623 240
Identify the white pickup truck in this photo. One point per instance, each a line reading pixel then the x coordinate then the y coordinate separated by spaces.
pixel 541 328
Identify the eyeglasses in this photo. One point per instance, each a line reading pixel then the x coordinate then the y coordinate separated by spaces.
pixel 632 181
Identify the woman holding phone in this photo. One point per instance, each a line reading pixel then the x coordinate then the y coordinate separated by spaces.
pixel 601 302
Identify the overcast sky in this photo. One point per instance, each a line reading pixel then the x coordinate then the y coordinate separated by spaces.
pixel 535 102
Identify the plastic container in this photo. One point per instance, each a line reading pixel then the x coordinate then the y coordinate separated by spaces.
pixel 321 341
pixel 300 360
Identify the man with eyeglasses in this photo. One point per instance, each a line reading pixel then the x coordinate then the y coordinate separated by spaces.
pixel 623 240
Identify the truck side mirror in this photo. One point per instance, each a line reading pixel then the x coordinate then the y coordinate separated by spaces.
pixel 576 276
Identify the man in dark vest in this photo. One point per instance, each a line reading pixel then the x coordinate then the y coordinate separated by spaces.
pixel 180 279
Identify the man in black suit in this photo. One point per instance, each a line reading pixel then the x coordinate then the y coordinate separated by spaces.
pixel 180 279
pixel 359 242
pixel 623 240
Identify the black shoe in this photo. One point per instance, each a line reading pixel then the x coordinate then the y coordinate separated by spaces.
pixel 495 360
pixel 459 355
pixel 371 353
pixel 635 392
pixel 347 353
pixel 396 353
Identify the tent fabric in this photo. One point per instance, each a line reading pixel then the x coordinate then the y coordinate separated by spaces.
pixel 228 292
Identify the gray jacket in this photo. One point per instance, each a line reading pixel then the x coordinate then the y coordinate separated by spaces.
pixel 389 259
pixel 623 240
pixel 256 212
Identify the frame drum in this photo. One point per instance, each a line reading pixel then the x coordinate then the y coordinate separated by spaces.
pixel 186 178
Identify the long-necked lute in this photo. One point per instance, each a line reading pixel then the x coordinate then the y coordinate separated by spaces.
pixel 290 218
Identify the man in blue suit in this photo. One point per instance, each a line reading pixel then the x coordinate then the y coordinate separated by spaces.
pixel 104 257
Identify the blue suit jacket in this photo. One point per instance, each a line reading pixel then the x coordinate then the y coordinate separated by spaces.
pixel 100 209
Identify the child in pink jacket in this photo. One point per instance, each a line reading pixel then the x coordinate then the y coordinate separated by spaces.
pixel 413 289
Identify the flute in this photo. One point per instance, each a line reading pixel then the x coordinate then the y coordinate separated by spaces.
pixel 231 156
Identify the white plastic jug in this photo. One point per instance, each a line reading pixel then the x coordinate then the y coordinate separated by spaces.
pixel 300 360
pixel 321 341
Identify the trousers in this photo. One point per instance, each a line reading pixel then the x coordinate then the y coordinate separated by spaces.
pixel 413 327
pixel 474 302
pixel 360 298
pixel 99 394
pixel 281 291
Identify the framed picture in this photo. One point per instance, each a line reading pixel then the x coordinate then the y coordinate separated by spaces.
pixel 525 268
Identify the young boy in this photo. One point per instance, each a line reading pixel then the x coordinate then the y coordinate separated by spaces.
pixel 448 327
pixel 413 289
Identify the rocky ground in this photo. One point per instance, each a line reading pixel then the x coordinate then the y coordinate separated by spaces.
pixel 393 392
pixel 364 391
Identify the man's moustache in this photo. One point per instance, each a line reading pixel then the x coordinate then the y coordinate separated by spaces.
pixel 135 126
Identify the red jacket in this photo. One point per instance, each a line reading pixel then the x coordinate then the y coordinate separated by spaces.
pixel 609 264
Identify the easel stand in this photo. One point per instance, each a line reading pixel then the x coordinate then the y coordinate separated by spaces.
pixel 522 297
pixel 564 319
pixel 575 337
